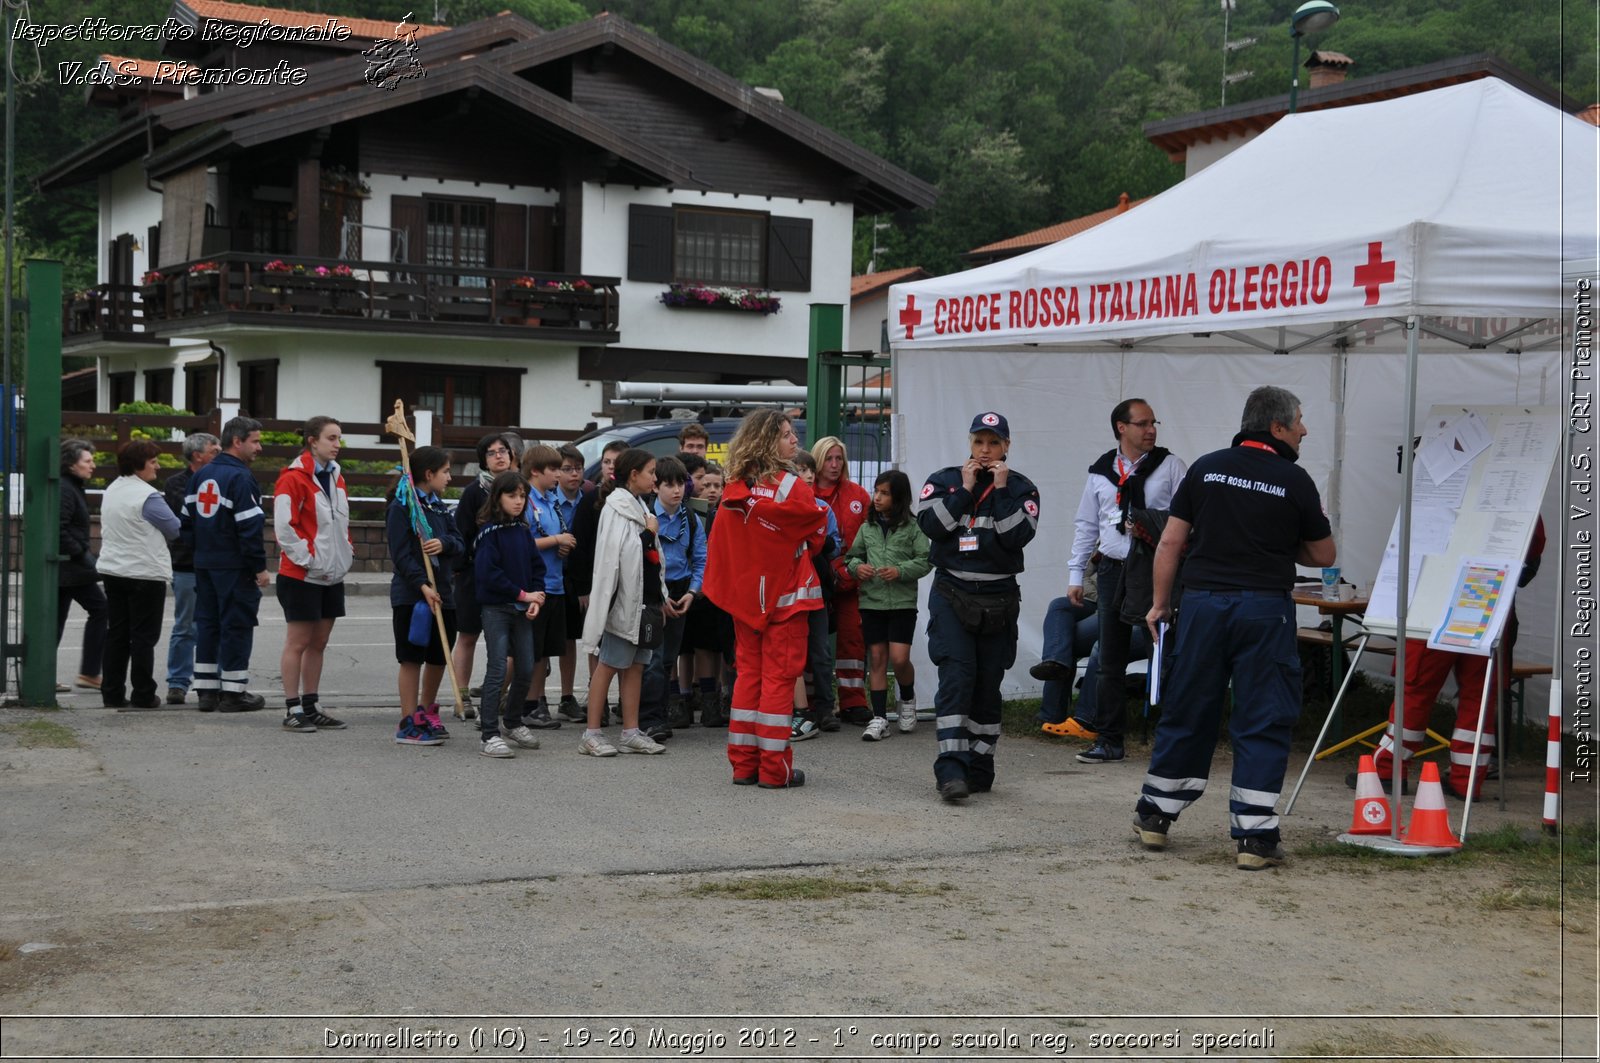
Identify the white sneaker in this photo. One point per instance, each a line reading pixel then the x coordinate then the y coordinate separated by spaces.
pixel 639 742
pixel 596 746
pixel 520 735
pixel 495 746
pixel 877 730
pixel 908 716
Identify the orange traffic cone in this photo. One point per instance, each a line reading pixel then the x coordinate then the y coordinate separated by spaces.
pixel 1372 807
pixel 1430 825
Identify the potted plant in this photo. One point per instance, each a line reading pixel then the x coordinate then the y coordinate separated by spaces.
pixel 153 294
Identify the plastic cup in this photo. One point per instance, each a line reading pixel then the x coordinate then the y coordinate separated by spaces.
pixel 1330 584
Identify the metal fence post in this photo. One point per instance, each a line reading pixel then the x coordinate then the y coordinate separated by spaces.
pixel 824 378
pixel 42 470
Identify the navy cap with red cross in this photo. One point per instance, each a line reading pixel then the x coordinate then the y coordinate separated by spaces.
pixel 991 422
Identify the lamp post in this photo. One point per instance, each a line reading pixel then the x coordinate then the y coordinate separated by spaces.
pixel 1313 16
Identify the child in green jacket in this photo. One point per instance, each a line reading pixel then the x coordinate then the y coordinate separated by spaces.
pixel 888 557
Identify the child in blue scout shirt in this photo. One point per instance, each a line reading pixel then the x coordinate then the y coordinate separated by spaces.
pixel 424 665
pixel 539 465
pixel 683 565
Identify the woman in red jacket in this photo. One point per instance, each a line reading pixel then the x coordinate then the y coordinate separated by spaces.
pixel 851 503
pixel 759 571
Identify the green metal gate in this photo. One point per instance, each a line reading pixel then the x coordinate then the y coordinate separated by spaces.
pixel 849 394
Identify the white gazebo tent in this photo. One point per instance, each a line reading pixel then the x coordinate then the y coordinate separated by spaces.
pixel 1355 239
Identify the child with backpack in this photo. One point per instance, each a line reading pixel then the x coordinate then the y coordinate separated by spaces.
pixel 422 665
pixel 626 582
pixel 888 557
pixel 683 565
pixel 510 579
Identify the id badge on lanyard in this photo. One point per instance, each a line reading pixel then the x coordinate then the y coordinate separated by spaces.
pixel 968 543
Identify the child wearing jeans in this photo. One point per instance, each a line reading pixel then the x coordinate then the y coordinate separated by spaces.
pixel 888 557
pixel 510 580
pixel 627 577
pixel 422 665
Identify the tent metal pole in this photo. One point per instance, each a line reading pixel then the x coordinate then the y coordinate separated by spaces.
pixel 1403 592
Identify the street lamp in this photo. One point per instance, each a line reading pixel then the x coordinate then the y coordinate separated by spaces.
pixel 1314 16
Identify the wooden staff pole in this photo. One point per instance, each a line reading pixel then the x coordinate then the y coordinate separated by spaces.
pixel 397 424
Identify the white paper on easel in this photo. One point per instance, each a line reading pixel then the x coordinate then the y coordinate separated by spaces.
pixel 1523 439
pixel 1430 534
pixel 1479 602
pixel 1456 444
pixel 1506 487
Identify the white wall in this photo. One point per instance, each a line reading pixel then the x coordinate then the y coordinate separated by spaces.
pixel 865 331
pixel 1059 405
pixel 126 206
pixel 1204 153
pixel 646 322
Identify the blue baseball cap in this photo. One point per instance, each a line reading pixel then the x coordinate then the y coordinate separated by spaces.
pixel 991 422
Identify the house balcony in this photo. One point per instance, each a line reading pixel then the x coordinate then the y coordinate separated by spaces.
pixel 270 292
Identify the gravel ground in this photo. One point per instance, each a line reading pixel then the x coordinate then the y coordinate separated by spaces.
pixel 230 885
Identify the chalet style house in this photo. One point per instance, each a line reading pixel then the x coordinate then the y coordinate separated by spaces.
pixel 490 221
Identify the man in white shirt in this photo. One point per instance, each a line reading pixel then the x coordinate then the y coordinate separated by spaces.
pixel 1137 474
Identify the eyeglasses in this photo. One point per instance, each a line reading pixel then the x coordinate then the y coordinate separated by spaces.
pixel 498 452
pixel 1141 425
pixel 571 468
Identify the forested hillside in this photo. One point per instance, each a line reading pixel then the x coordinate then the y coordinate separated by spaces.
pixel 1022 112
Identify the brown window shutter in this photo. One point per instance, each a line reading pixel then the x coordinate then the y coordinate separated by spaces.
pixel 543 244
pixel 502 398
pixel 508 246
pixel 406 215
pixel 649 243
pixel 789 254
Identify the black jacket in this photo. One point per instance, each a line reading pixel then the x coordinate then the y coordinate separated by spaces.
pixel 1136 589
pixel 77 561
pixel 175 490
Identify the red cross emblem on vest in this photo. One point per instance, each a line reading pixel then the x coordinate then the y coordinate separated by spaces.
pixel 208 498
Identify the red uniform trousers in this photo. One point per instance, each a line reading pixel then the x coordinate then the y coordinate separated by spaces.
pixel 850 651
pixel 1426 671
pixel 769 663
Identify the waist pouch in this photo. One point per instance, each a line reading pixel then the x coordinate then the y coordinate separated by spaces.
pixel 652 626
pixel 983 614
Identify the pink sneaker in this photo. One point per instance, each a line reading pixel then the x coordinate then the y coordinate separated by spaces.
pixel 429 717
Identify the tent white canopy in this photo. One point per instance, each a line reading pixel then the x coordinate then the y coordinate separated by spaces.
pixel 1455 208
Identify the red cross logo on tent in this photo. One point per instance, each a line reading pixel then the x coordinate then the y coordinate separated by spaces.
pixel 1375 273
pixel 208 498
pixel 910 317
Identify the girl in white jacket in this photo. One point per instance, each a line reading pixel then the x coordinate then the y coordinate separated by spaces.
pixel 627 577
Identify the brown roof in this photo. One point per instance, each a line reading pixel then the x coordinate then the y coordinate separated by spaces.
pixel 1051 234
pixel 1176 135
pixel 865 284
pixel 1591 114
pixel 374 28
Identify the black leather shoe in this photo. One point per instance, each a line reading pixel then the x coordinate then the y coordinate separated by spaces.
pixel 954 790
pixel 796 778
pixel 240 702
pixel 1052 671
pixel 744 780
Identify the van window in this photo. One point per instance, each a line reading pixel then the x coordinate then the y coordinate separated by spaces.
pixel 592 447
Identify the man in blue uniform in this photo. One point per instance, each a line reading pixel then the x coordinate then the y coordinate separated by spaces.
pixel 222 519
pixel 978 515
pixel 1254 514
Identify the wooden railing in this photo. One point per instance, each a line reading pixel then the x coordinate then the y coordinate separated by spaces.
pixel 399 293
pixel 109 432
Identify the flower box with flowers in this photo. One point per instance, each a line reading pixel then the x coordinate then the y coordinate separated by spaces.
pixel 153 295
pixel 702 297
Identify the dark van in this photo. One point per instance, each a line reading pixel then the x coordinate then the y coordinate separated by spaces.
pixel 868 448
